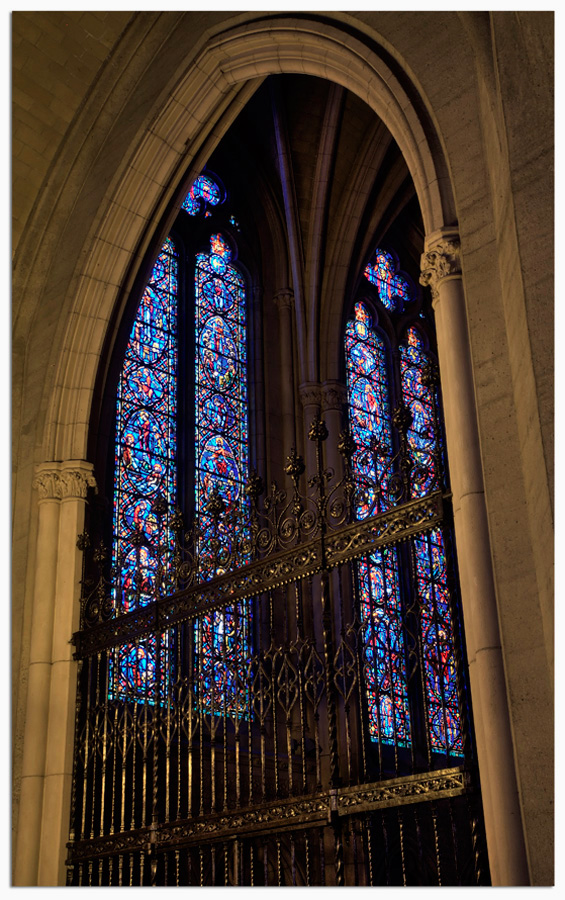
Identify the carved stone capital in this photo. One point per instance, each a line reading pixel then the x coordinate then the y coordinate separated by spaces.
pixel 284 299
pixel 334 395
pixel 64 481
pixel 441 260
pixel 310 394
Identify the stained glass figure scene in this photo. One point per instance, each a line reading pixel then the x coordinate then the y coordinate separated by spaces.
pixel 393 289
pixel 145 467
pixel 444 722
pixel 203 194
pixel 381 613
pixel 384 652
pixel 422 435
pixel 368 385
pixel 221 442
pixel 369 412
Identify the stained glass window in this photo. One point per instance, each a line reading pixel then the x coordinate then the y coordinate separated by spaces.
pixel 424 444
pixel 392 288
pixel 377 381
pixel 221 441
pixel 203 193
pixel 145 469
pixel 441 703
pixel 146 464
pixel 381 612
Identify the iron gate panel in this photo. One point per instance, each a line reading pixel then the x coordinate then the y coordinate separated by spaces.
pixel 279 780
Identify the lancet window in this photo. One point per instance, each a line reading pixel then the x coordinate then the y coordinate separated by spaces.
pixel 145 470
pixel 146 461
pixel 405 597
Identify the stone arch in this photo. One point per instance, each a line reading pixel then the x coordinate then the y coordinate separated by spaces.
pixel 137 209
pixel 222 76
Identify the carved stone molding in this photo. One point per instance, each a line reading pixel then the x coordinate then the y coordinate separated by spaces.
pixel 284 299
pixel 310 394
pixel 334 395
pixel 441 260
pixel 64 481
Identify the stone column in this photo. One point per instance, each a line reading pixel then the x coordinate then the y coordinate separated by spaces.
pixel 334 401
pixel 441 270
pixel 284 301
pixel 48 739
pixel 39 673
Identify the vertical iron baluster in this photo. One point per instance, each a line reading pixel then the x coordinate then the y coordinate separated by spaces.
pixel 358 627
pixel 322 857
pixel 292 860
pixel 200 710
pixel 346 691
pixel 169 687
pixel 386 854
pixel 299 651
pixel 307 858
pixel 74 786
pixel 273 694
pixel 250 729
pixel 315 699
pixel 124 763
pixel 279 862
pixel 225 708
pixel 114 763
pixel 145 747
pixel 95 744
pixel 400 818
pixel 133 766
pixel 436 843
pixel 191 714
pixel 353 833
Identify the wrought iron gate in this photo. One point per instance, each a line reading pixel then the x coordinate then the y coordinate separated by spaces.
pixel 272 775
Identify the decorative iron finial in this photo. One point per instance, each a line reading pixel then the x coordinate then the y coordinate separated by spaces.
pixel 295 466
pixel 402 418
pixel 318 430
pixel 215 506
pixel 254 487
pixel 177 523
pixel 100 555
pixel 430 374
pixel 83 541
pixel 159 505
pixel 346 444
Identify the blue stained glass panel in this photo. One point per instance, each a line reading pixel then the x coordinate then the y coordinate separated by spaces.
pixel 369 412
pixel 444 721
pixel 392 288
pixel 145 469
pixel 423 440
pixel 221 441
pixel 204 192
pixel 383 648
pixel 381 611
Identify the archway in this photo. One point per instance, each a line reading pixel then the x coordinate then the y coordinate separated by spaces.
pixel 201 106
